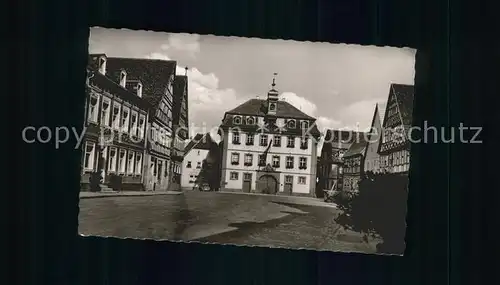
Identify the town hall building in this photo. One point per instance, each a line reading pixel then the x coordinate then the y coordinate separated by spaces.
pixel 264 149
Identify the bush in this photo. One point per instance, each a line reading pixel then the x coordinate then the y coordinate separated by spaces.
pixel 378 209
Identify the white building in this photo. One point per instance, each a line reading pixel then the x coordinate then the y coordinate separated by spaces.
pixel 195 153
pixel 269 146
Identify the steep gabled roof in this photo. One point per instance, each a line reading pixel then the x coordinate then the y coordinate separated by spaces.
pixel 341 138
pixel 154 74
pixel 378 128
pixel 404 95
pixel 358 146
pixel 200 141
pixel 258 107
pixel 180 84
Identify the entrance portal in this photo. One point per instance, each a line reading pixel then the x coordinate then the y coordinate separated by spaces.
pixel 268 184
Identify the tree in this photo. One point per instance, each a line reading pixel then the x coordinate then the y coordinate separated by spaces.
pixel 378 209
pixel 210 169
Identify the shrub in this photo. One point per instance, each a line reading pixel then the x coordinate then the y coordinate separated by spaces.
pixel 378 209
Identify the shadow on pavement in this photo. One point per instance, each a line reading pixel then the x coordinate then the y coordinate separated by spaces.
pixel 244 229
pixel 182 218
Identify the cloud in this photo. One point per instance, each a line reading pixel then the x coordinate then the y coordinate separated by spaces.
pixel 359 115
pixel 207 102
pixel 188 43
pixel 299 102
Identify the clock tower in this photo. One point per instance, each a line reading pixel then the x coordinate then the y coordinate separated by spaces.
pixel 272 98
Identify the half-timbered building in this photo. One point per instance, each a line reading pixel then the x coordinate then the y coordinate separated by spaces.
pixel 336 143
pixel 354 163
pixel 115 125
pixel 181 129
pixel 157 79
pixel 394 149
pixel 372 157
pixel 264 149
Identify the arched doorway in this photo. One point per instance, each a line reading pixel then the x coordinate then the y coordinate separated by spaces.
pixel 268 184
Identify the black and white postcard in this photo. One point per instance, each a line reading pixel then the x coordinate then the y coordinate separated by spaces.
pixel 246 141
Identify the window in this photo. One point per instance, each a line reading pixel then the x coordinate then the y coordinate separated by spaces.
pixel 236 137
pixel 250 121
pixel 303 163
pixel 237 120
pixel 115 119
pixel 302 180
pixel 198 153
pixel 188 165
pixel 276 161
pixel 140 131
pixel 272 107
pixel 198 164
pixel 235 158
pixel 133 123
pixel 291 124
pixel 125 119
pixel 288 179
pixel 250 139
pixel 247 176
pixel 112 159
pixel 289 162
pixel 304 125
pixel 139 89
pixel 123 78
pixel 88 160
pixel 248 159
pixel 121 161
pixel 130 162
pixel 290 142
pixel 263 140
pixel 304 143
pixel 105 111
pixel 234 175
pixel 93 103
pixel 277 141
pixel 262 160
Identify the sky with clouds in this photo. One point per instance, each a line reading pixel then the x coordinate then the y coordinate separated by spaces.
pixel 338 84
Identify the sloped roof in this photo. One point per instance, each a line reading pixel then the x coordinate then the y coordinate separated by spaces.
pixel 180 83
pixel 258 107
pixel 404 96
pixel 200 141
pixel 358 146
pixel 341 138
pixel 154 74
pixel 107 83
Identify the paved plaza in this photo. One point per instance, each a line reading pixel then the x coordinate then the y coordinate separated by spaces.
pixel 256 220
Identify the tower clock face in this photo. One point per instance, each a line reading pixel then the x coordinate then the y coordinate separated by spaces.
pixel 272 106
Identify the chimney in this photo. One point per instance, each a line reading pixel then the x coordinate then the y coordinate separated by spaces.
pixel 186 71
pixel 123 78
pixel 139 89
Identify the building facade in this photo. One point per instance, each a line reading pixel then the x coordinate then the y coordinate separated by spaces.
pixel 196 153
pixel 115 126
pixel 181 130
pixel 394 149
pixel 372 157
pixel 331 169
pixel 157 78
pixel 354 163
pixel 269 146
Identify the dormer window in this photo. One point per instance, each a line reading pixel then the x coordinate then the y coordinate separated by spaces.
pixel 123 78
pixel 102 65
pixel 139 89
pixel 304 125
pixel 250 121
pixel 291 124
pixel 237 120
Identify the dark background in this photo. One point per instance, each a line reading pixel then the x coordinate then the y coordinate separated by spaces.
pixel 52 39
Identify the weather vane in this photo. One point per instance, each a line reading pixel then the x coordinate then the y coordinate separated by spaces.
pixel 274 79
